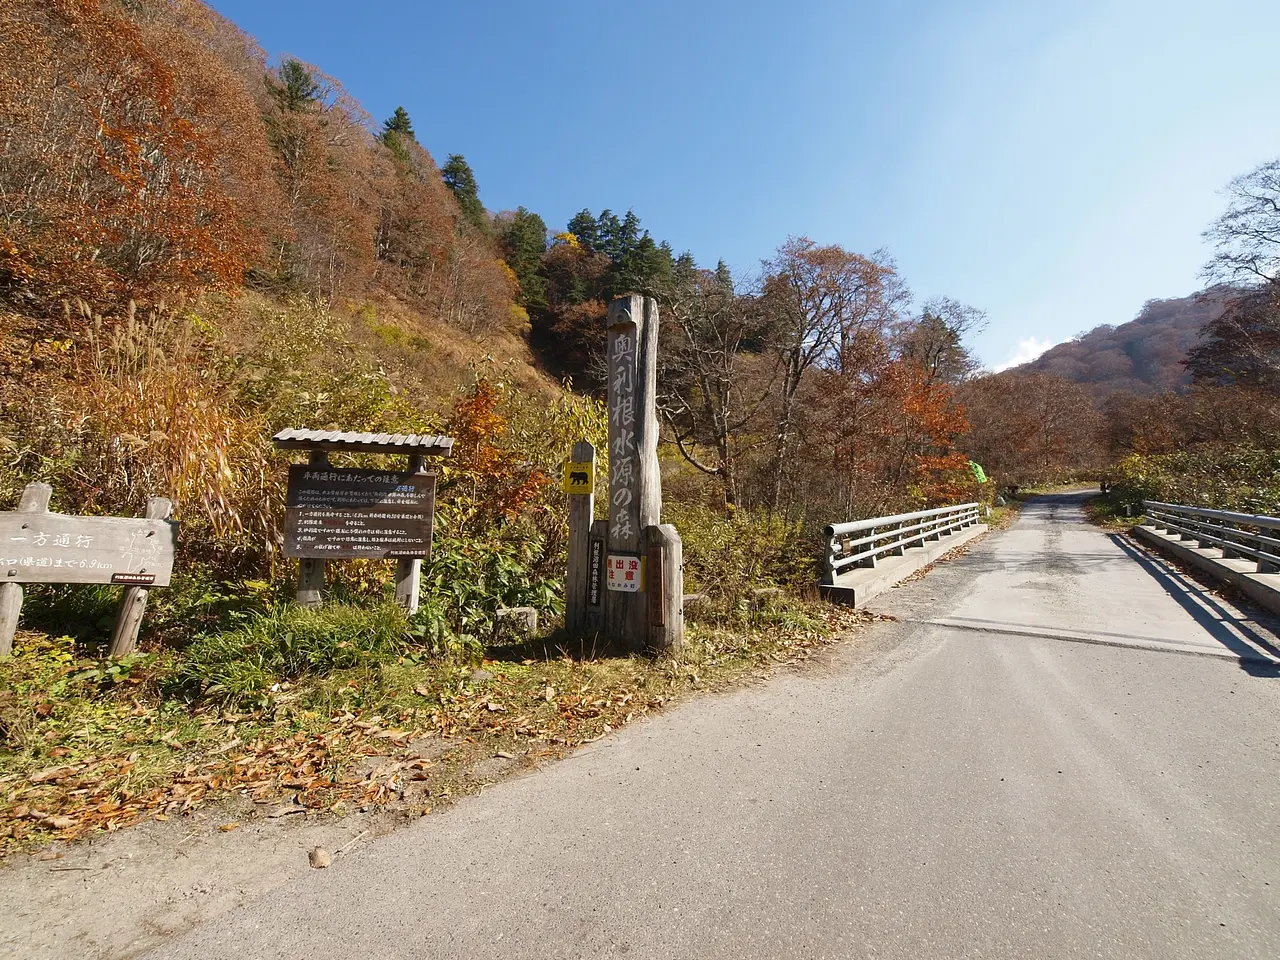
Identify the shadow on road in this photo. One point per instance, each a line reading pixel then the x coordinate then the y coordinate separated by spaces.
pixel 1210 613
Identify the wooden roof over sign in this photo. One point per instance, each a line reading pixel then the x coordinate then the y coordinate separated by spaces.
pixel 347 442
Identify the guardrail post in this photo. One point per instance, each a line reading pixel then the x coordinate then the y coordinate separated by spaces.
pixel 870 562
pixel 899 549
pixel 1228 529
pixel 1203 543
pixel 828 560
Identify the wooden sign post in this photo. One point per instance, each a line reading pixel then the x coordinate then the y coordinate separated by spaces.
pixel 579 484
pixel 625 575
pixel 635 499
pixel 37 546
pixel 343 513
pixel 635 483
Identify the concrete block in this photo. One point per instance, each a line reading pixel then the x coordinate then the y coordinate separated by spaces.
pixel 522 621
pixel 1262 588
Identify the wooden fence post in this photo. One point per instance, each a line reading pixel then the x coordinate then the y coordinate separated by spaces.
pixel 311 569
pixel 409 569
pixel 35 499
pixel 581 516
pixel 133 604
pixel 664 584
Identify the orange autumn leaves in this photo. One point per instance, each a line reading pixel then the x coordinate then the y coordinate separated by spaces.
pixel 889 426
pixel 498 484
pixel 121 178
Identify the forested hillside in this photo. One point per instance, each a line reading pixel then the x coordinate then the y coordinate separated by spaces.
pixel 201 244
pixel 1144 356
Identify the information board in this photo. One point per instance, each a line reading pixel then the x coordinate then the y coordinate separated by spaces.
pixel 358 513
pixel 58 548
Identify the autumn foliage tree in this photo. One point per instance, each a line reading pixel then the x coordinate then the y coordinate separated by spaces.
pixel 1032 427
pixel 123 175
pixel 824 304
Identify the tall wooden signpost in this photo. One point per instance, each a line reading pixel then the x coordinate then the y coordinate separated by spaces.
pixel 641 605
pixel 586 554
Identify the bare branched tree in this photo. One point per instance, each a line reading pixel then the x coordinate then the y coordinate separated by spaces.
pixel 709 393
pixel 1243 345
pixel 820 302
pixel 1246 237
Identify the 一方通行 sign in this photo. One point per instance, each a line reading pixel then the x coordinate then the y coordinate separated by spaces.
pixel 59 548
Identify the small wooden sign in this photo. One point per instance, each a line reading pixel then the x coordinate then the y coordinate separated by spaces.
pixel 579 478
pixel 657 600
pixel 334 514
pixel 625 573
pixel 37 546
pixel 58 548
pixel 595 573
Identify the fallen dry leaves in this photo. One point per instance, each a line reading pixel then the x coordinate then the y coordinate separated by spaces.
pixel 526 712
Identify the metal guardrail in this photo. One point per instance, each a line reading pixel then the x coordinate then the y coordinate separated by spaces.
pixel 1239 535
pixel 889 536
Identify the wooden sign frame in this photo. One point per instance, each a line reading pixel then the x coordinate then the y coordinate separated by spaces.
pixel 319 443
pixel 37 546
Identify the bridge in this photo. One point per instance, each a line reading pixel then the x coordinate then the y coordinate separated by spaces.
pixel 1059 745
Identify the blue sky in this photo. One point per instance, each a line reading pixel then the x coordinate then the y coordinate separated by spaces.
pixel 1051 162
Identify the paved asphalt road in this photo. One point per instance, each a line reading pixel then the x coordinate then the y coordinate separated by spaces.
pixel 1079 757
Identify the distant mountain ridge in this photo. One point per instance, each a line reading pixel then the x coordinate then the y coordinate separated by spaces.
pixel 1143 356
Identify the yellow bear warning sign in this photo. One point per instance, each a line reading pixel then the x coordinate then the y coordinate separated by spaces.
pixel 579 478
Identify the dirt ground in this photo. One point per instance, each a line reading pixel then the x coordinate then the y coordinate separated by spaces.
pixel 117 895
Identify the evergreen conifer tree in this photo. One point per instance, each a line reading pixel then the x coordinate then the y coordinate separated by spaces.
pixel 461 181
pixel 296 89
pixel 398 123
pixel 524 241
pixel 585 227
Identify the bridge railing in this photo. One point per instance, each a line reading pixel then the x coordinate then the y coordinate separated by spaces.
pixel 1239 535
pixel 862 542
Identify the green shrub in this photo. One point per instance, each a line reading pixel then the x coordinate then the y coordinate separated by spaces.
pixel 288 642
pixel 466 581
pixel 1246 479
pixel 727 557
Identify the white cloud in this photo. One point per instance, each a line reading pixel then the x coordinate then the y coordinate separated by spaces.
pixel 1028 349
